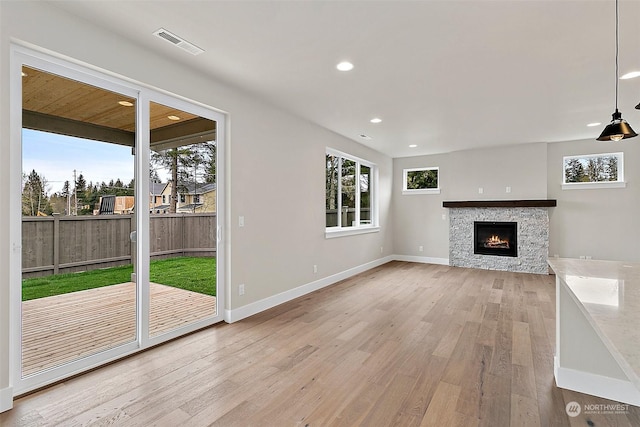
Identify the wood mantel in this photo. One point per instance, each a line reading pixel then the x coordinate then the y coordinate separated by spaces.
pixel 544 203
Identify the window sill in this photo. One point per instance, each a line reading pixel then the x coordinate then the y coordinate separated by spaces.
pixel 349 231
pixel 593 185
pixel 425 191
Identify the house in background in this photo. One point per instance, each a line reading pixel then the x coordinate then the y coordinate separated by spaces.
pixel 192 197
pixel 114 205
pixel 156 204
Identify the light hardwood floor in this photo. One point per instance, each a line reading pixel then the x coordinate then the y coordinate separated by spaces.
pixel 402 344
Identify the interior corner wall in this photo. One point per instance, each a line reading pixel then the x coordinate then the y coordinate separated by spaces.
pixel 600 223
pixel 275 170
pixel 421 221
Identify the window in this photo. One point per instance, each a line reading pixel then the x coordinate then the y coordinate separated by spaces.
pixel 421 181
pixel 196 198
pixel 350 197
pixel 183 198
pixel 593 171
pixel 164 200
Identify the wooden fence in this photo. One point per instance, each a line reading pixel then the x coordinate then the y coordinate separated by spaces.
pixel 66 244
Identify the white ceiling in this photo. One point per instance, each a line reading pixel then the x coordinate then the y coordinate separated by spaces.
pixel 445 75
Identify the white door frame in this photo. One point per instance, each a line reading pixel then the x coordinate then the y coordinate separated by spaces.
pixel 143 94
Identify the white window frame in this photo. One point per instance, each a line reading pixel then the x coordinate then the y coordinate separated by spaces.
pixel 373 226
pixel 619 183
pixel 409 191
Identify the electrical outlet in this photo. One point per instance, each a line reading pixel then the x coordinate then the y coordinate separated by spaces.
pixel 381 251
pixel 420 248
pixel 582 257
pixel 241 289
pixel 588 257
pixel 444 217
pixel 480 190
pixel 315 268
pixel 508 189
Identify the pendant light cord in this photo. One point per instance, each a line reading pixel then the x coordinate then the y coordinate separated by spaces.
pixel 616 55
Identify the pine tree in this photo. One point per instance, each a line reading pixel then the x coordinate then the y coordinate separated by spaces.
pixel 574 171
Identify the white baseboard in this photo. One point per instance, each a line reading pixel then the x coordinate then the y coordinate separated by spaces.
pixel 245 311
pixel 6 399
pixel 596 385
pixel 422 259
pixel 272 301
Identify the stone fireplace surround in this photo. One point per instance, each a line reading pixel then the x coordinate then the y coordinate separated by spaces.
pixel 533 234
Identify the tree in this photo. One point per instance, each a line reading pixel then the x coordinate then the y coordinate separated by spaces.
pixel 187 164
pixel 331 182
pixel 58 203
pixel 80 185
pixel 422 179
pixel 66 191
pixel 611 167
pixel 574 171
pixel 34 195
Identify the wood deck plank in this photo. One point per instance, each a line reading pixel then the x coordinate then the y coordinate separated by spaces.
pixel 63 328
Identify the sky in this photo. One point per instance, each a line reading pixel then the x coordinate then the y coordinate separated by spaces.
pixel 56 156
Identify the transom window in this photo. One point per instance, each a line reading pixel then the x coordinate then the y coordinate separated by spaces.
pixel 593 171
pixel 421 181
pixel 351 191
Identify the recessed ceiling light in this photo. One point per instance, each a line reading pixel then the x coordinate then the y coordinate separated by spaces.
pixel 363 136
pixel 126 103
pixel 631 75
pixel 345 66
pixel 173 117
pixel 594 124
pixel 413 145
pixel 24 74
pixel 375 120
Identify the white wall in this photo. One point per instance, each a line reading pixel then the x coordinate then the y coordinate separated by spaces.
pixel 418 218
pixel 601 223
pixel 276 169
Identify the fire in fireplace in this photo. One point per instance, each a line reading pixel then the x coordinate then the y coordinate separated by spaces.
pixel 495 238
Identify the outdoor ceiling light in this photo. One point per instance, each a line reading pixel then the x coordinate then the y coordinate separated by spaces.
pixel 618 128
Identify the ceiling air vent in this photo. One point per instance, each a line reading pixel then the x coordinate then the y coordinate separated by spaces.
pixel 178 41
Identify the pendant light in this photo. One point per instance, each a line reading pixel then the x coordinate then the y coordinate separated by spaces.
pixel 618 128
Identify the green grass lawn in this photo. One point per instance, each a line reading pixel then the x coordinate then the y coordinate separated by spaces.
pixel 193 274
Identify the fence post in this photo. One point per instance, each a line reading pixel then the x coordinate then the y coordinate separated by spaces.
pixel 182 229
pixel 56 243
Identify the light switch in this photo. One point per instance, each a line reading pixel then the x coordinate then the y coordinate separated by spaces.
pixel 241 221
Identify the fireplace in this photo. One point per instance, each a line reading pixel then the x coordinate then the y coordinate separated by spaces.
pixel 495 238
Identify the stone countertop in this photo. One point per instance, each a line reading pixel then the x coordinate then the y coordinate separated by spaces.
pixel 608 293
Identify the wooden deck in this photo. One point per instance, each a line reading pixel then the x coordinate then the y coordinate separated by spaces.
pixel 66 327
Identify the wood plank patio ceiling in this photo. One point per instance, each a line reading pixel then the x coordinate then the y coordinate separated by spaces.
pixel 52 103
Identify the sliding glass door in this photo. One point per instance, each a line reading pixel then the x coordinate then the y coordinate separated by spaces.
pixel 78 196
pixel 183 219
pixel 118 217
